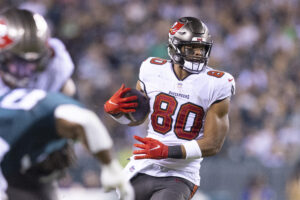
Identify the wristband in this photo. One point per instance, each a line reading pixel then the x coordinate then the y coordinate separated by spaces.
pixel 175 152
pixel 192 150
pixel 122 120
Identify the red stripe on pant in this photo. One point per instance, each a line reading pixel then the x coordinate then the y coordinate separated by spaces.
pixel 194 191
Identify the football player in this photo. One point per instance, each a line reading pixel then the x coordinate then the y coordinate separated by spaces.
pixel 32 125
pixel 188 118
pixel 30 58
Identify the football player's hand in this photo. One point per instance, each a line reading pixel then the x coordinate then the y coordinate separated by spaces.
pixel 150 149
pixel 113 177
pixel 118 103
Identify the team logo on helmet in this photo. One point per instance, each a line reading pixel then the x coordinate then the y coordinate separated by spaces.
pixel 5 40
pixel 175 28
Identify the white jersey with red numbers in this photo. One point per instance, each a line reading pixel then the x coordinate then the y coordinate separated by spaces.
pixel 177 113
pixel 56 73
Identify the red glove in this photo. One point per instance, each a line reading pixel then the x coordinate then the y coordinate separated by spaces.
pixel 117 103
pixel 151 148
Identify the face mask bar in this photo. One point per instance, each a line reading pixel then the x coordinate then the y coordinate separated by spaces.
pixel 195 52
pixel 16 70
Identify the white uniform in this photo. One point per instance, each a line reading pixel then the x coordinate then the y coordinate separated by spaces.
pixel 177 113
pixel 58 71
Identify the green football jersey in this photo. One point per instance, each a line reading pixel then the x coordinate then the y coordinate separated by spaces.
pixel 27 124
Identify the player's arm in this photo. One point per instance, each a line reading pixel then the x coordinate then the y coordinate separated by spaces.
pixel 77 123
pixel 83 125
pixel 215 130
pixel 139 88
pixel 69 88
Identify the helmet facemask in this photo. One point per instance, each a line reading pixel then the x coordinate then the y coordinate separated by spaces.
pixel 189 44
pixel 16 71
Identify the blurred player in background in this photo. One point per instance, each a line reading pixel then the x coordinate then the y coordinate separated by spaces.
pixel 188 119
pixel 32 125
pixel 30 58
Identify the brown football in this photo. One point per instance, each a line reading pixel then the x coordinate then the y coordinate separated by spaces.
pixel 142 109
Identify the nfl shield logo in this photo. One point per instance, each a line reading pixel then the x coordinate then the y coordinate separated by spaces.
pixel 179 85
pixel 131 169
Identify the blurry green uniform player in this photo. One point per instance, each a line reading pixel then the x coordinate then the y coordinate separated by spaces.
pixel 32 124
pixel 31 136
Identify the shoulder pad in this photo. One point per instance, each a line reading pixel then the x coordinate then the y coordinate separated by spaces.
pixel 224 83
pixel 156 61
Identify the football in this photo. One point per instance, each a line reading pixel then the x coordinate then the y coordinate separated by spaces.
pixel 142 109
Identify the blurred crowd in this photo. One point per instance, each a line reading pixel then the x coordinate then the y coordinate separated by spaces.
pixel 257 41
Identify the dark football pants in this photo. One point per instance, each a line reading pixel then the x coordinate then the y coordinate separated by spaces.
pixel 15 193
pixel 24 189
pixel 162 188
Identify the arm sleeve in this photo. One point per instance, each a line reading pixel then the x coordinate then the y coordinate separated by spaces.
pixel 61 67
pixel 224 88
pixel 143 73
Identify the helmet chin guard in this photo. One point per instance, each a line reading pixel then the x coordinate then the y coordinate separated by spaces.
pixel 193 33
pixel 193 67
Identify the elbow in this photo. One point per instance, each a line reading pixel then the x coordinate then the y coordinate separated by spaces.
pixel 213 150
pixel 216 150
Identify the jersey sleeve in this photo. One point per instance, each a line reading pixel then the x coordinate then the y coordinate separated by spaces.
pixel 144 72
pixel 61 67
pixel 224 88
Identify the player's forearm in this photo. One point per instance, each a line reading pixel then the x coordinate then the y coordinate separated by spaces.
pixel 79 123
pixel 104 156
pixel 204 149
pixel 123 119
pixel 215 129
pixel 210 148
pixel 213 139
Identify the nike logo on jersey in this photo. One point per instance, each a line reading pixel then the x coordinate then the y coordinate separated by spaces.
pixel 157 147
pixel 230 79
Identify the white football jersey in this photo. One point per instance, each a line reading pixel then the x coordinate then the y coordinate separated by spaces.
pixel 55 75
pixel 177 113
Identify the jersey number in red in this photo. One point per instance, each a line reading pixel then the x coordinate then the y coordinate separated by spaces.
pixel 214 73
pixel 158 61
pixel 188 121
